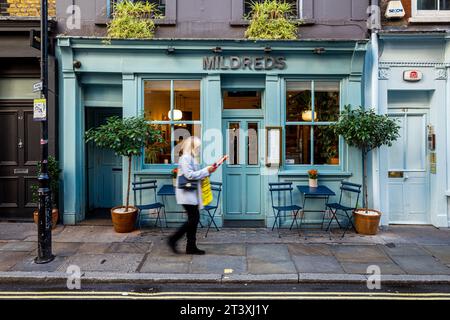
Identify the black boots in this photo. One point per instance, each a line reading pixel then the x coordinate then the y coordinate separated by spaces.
pixel 192 249
pixel 172 243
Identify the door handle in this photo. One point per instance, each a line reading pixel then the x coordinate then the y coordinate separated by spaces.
pixel 405 177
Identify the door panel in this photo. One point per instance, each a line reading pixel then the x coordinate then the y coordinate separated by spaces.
pixel 408 184
pixel 19 138
pixel 242 174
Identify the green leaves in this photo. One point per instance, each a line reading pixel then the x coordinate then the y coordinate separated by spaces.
pixel 125 136
pixel 133 20
pixel 270 20
pixel 366 130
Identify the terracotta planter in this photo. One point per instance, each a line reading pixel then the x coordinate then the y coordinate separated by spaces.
pixel 313 183
pixel 174 182
pixel 367 224
pixel 124 222
pixel 55 216
pixel 333 161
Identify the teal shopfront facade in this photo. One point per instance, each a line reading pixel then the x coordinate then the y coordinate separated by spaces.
pixel 228 92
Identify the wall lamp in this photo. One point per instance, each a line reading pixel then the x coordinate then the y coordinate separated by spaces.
pixel 319 50
pixel 76 64
pixel 170 50
pixel 217 50
pixel 267 49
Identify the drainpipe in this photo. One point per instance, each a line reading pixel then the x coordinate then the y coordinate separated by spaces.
pixel 375 104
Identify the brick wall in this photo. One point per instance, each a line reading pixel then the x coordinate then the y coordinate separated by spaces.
pixel 26 8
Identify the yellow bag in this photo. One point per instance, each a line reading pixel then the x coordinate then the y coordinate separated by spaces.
pixel 207 195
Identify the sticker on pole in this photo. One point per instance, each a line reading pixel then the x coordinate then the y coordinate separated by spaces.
pixel 40 110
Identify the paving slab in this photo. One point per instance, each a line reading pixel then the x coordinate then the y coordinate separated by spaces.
pixel 270 267
pixel 301 249
pixel 93 247
pixel 217 264
pixel 17 231
pixel 263 278
pixel 268 252
pixel 317 264
pixel 357 253
pixel 64 249
pixel 440 252
pixel 230 249
pixel 89 234
pixel 361 268
pixel 120 247
pixel 421 265
pixel 27 264
pixel 403 250
pixel 108 262
pixel 162 266
pixel 10 258
pixel 23 246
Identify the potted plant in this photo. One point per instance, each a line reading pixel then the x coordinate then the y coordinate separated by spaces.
pixel 126 137
pixel 271 19
pixel 133 20
pixel 366 130
pixel 53 172
pixel 312 175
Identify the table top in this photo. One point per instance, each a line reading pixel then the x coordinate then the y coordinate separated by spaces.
pixel 319 191
pixel 166 190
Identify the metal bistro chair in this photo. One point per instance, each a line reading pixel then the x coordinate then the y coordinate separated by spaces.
pixel 212 209
pixel 281 188
pixel 335 207
pixel 158 206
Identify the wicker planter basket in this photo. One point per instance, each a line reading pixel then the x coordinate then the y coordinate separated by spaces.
pixel 124 222
pixel 367 224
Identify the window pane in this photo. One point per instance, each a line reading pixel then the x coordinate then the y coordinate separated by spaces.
pixel 242 100
pixel 233 143
pixel 326 96
pixel 252 143
pixel 298 144
pixel 248 7
pixel 181 132
pixel 157 100
pixel 427 4
pixel 298 101
pixel 161 4
pixel 159 152
pixel 444 5
pixel 326 146
pixel 187 100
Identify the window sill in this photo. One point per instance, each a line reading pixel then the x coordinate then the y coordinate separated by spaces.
pixel 284 173
pixel 429 19
pixel 158 22
pixel 244 22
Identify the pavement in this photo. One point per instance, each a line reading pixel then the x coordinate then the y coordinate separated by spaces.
pixel 403 254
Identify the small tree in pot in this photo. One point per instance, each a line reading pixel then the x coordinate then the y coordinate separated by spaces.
pixel 366 130
pixel 126 137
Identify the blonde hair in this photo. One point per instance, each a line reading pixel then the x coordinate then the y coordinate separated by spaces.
pixel 191 146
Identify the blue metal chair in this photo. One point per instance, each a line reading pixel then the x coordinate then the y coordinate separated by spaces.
pixel 216 187
pixel 280 189
pixel 158 206
pixel 348 211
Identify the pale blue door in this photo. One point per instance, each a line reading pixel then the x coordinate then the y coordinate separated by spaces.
pixel 104 169
pixel 408 175
pixel 242 171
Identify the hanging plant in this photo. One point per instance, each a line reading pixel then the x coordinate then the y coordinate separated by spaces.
pixel 132 20
pixel 270 20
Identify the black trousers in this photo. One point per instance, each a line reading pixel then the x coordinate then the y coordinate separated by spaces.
pixel 190 226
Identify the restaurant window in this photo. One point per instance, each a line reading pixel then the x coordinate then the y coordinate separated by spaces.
pixel 174 107
pixel 241 99
pixel 311 107
pixel 296 7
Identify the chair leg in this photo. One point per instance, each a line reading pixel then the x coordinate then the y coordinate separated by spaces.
pixel 139 219
pixel 351 224
pixel 275 223
pixel 165 216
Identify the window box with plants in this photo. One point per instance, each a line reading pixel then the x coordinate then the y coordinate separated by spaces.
pixel 126 137
pixel 366 130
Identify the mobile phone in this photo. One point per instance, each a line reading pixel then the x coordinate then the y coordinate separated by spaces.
pixel 220 161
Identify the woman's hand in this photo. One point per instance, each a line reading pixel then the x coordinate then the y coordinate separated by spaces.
pixel 211 169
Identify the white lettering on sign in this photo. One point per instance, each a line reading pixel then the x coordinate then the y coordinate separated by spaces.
pixel 412 75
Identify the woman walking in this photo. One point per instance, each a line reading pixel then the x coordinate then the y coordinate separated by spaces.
pixel 191 198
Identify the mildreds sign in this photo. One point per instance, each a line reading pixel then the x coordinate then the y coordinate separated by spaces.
pixel 245 62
